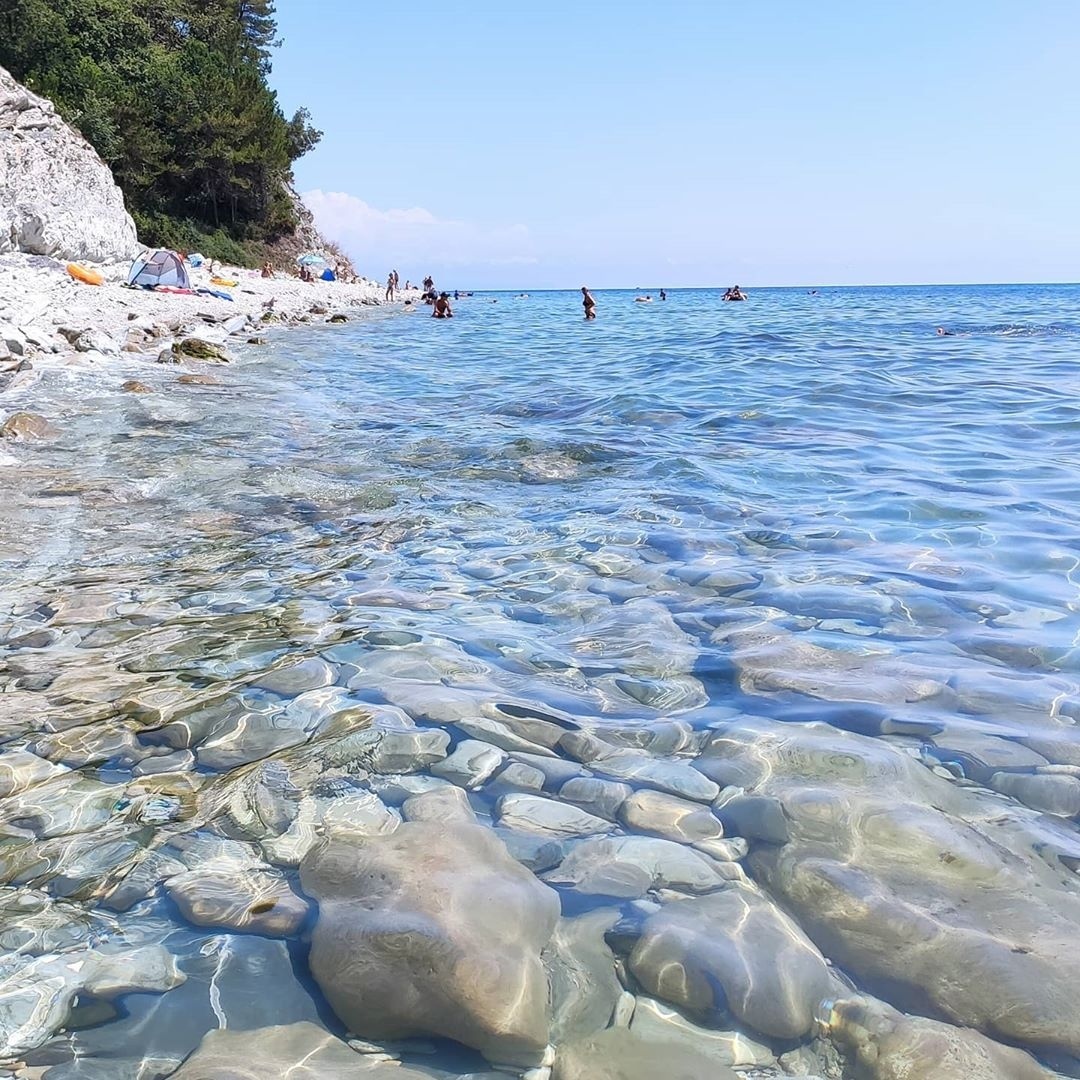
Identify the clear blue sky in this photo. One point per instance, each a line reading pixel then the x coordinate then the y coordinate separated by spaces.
pixel 546 144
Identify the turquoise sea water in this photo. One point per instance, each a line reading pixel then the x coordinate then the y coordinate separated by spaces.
pixel 804 509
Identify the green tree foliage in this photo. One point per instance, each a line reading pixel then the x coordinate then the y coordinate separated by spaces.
pixel 173 95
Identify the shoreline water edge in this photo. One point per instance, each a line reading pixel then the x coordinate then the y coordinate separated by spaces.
pixel 49 320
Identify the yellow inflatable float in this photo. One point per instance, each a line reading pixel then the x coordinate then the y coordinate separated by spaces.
pixel 223 281
pixel 81 273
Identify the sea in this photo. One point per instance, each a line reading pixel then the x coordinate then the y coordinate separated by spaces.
pixel 796 579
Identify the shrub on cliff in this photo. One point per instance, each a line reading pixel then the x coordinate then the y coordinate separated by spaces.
pixel 173 95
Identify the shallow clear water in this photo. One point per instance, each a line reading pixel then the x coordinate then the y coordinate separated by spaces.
pixel 574 520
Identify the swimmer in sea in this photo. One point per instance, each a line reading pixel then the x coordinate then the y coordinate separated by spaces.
pixel 663 295
pixel 442 309
pixel 734 293
pixel 588 303
pixel 942 332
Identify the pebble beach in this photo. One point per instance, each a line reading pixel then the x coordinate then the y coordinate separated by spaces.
pixel 48 319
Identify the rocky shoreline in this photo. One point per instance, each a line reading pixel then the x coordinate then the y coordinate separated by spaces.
pixel 48 320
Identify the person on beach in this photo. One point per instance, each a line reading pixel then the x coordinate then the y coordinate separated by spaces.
pixel 588 303
pixel 442 309
pixel 389 295
pixel 734 293
pixel 267 270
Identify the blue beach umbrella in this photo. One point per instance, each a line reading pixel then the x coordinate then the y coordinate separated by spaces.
pixel 310 260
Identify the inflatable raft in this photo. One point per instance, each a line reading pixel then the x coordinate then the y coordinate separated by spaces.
pixel 81 273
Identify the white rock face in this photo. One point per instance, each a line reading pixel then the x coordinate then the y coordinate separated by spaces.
pixel 57 197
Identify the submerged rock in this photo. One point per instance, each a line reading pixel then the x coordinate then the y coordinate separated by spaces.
pixel 656 1022
pixel 733 950
pixel 471 764
pixel 241 896
pixel 26 425
pixel 302 1051
pixel 433 930
pixel 534 813
pixel 916 886
pixel 37 996
pixel 665 774
pixel 669 817
pixel 618 1054
pixel 891 1046
pixel 601 797
pixel 20 770
pixel 770 659
pixel 631 866
pixel 584 987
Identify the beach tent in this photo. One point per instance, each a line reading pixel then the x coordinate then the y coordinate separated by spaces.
pixel 159 267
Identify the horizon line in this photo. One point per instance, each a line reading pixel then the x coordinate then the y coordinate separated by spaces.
pixel 866 285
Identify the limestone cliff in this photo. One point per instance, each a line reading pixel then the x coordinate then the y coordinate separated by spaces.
pixel 57 197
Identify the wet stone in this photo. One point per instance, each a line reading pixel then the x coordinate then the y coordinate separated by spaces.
pixel 470 764
pixel 399 915
pixel 178 761
pixel 291 680
pixel 78 747
pixel 619 1054
pixel 581 966
pixel 673 776
pixel 600 797
pixel 38 995
pixel 733 950
pixel 441 804
pixel 632 866
pixel 517 777
pixel 654 1021
pixel 533 813
pixel 395 790
pixel 674 819
pixel 20 770
pixel 1052 794
pixel 755 816
pixel 891 1046
pixel 557 771
pixel 302 1051
pixel 240 896
pixel 982 755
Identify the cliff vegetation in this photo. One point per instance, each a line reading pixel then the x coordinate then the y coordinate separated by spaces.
pixel 173 94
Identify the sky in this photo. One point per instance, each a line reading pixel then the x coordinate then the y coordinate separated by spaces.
pixel 545 144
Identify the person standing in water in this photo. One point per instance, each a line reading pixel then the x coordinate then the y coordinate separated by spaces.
pixel 588 303
pixel 389 286
pixel 442 309
pixel 663 295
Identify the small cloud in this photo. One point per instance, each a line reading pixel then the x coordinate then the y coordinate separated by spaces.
pixel 414 237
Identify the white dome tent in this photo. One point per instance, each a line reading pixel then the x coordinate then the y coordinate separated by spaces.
pixel 159 267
